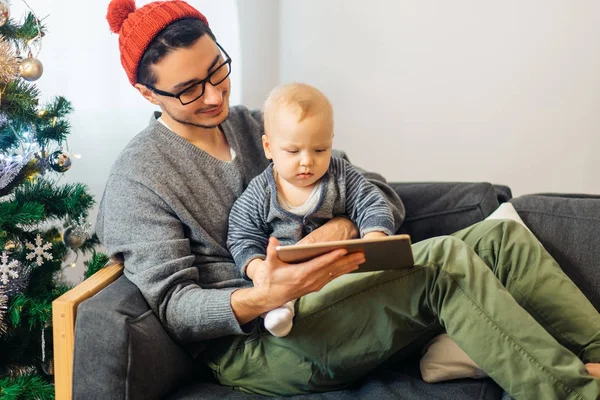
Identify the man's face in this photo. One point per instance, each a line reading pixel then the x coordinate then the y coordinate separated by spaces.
pixel 301 151
pixel 179 70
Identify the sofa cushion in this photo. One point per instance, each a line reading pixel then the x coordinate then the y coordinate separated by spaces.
pixel 569 228
pixel 381 384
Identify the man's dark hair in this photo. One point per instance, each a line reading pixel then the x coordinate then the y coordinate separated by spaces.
pixel 180 34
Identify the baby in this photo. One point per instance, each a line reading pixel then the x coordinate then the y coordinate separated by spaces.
pixel 304 187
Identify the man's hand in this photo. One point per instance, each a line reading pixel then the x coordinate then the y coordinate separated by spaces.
pixel 337 228
pixel 282 282
pixel 276 282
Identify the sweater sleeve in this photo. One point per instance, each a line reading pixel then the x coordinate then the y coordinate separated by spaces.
pixel 248 235
pixel 391 197
pixel 365 204
pixel 138 228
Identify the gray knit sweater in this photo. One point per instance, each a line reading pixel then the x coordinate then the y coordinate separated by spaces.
pixel 165 214
pixel 256 215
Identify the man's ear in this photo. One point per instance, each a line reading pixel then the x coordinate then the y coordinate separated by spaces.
pixel 147 93
pixel 267 147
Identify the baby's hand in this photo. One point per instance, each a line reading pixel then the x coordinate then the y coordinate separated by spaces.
pixel 252 267
pixel 374 234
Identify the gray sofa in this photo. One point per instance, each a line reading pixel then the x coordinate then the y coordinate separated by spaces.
pixel 122 352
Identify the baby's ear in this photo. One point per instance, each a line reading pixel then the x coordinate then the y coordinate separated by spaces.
pixel 267 147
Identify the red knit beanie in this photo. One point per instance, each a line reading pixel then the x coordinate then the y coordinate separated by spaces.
pixel 138 26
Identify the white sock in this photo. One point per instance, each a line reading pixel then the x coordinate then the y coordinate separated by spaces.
pixel 280 320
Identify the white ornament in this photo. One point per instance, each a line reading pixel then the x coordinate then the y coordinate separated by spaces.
pixel 8 269
pixel 38 251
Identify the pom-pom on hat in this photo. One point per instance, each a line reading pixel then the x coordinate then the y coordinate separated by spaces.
pixel 137 27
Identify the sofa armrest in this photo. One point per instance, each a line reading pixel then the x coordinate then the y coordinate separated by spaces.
pixel 568 225
pixel 435 209
pixel 64 312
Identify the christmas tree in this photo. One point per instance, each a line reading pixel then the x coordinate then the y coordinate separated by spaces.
pixel 42 222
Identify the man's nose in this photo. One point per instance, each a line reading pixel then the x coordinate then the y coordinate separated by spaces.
pixel 212 95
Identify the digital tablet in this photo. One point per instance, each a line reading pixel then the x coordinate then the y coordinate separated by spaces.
pixel 389 252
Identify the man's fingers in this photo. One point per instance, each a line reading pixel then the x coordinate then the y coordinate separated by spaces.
pixel 353 263
pixel 346 264
pixel 353 260
pixel 271 252
pixel 337 262
pixel 328 258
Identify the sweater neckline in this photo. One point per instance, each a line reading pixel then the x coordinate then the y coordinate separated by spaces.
pixel 270 172
pixel 174 138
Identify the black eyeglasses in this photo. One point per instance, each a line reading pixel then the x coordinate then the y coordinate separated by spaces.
pixel 196 90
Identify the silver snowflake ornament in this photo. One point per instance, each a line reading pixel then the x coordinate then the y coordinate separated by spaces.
pixel 8 269
pixel 38 251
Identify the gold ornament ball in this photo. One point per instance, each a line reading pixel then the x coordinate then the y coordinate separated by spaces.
pixel 4 12
pixel 31 69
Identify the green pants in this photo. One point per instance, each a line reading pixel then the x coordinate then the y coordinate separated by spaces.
pixel 492 287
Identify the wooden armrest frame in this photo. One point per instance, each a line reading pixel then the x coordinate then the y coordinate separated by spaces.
pixel 64 312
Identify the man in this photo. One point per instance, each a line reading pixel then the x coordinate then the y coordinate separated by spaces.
pixel 164 213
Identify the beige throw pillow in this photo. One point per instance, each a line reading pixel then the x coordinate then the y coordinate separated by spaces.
pixel 444 360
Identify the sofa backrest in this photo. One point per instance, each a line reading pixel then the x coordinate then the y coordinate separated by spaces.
pixel 569 228
pixel 436 209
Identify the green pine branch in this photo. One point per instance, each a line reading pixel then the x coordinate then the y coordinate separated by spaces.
pixel 56 132
pixel 20 34
pixel 13 213
pixel 39 312
pixel 26 387
pixel 36 311
pixel 52 125
pixel 15 310
pixel 19 102
pixel 60 107
pixel 60 289
pixel 10 30
pixel 95 263
pixel 69 200
pixel 30 28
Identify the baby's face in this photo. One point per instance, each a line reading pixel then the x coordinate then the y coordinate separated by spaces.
pixel 301 151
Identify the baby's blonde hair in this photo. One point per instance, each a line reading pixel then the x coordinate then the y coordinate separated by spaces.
pixel 301 99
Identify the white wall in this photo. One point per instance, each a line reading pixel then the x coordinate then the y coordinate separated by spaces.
pixel 81 62
pixel 259 36
pixel 461 90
